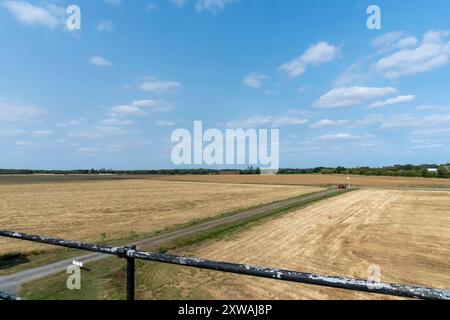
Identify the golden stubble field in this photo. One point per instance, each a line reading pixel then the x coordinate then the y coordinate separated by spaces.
pixel 86 210
pixel 314 180
pixel 405 233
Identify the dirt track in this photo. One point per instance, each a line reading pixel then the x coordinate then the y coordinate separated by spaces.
pixel 102 210
pixel 405 233
pixel 12 282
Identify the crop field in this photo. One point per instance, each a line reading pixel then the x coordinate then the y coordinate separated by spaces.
pixel 105 210
pixel 406 234
pixel 315 180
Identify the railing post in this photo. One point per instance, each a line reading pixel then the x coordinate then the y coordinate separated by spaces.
pixel 131 269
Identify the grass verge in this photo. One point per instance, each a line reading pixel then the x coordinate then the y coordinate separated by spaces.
pixel 39 258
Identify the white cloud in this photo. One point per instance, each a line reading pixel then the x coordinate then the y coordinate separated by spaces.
pixel 254 80
pixel 329 123
pixel 392 101
pixel 24 143
pixel 371 119
pixel 317 54
pixel 406 42
pixel 388 39
pixel 409 120
pixel 342 137
pixel 354 74
pixel 98 132
pixel 159 86
pixel 428 146
pixel 434 132
pixel 126 110
pixel 23 133
pixel 352 96
pixel 42 133
pixel 115 122
pixel 267 121
pixel 105 25
pixel 163 123
pixel 100 61
pixel 213 6
pixel 14 112
pixel 141 107
pixel 153 105
pixel 50 16
pixel 432 52
pixel 432 108
pixel 86 150
pixel 74 122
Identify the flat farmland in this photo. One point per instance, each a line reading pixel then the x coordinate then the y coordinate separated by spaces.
pixel 314 180
pixel 112 209
pixel 406 234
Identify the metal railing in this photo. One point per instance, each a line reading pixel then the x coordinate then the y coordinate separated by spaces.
pixel 7 296
pixel 131 254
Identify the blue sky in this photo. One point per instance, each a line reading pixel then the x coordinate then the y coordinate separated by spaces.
pixel 110 95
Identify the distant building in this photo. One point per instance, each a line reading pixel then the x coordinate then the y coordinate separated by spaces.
pixel 432 170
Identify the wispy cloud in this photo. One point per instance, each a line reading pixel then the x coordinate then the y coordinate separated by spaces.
pixel 115 122
pixel 317 54
pixel 100 61
pixel 98 132
pixel 105 25
pixel 342 137
pixel 267 121
pixel 42 133
pixel 15 112
pixel 159 86
pixel 392 101
pixel 329 123
pixel 163 123
pixel 352 96
pixel 24 143
pixel 49 15
pixel 394 40
pixel 432 52
pixel 354 74
pixel 141 107
pixel 213 6
pixel 254 80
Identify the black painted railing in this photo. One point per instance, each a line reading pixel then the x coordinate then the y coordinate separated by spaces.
pixel 131 254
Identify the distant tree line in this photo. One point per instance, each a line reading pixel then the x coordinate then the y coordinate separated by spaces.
pixel 409 170
pixel 249 170
pixel 110 171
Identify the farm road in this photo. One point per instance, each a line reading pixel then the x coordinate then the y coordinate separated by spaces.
pixel 11 283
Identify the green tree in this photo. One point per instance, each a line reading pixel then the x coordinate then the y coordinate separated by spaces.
pixel 443 172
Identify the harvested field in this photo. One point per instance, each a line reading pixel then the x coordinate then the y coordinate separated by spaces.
pixel 314 180
pixel 105 210
pixel 405 233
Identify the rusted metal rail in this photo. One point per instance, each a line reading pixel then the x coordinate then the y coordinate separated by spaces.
pixel 7 296
pixel 131 254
